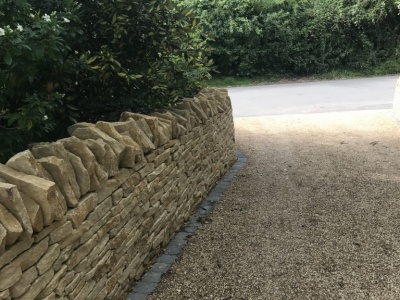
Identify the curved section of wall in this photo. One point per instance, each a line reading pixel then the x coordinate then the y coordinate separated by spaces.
pixel 81 218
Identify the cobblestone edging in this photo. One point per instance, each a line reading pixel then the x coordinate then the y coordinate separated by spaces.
pixel 148 283
pixel 85 216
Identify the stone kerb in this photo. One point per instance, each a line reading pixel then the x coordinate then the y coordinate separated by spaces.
pixel 81 218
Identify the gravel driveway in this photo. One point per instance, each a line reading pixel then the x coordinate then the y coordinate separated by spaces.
pixel 315 214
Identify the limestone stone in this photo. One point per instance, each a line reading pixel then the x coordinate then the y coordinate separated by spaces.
pixel 82 175
pixel 61 232
pixel 47 230
pixel 34 212
pixel 117 196
pixel 157 171
pixel 51 296
pixel 24 282
pixel 48 259
pixel 104 155
pixel 113 183
pixel 131 150
pixel 95 133
pixel 26 163
pixel 130 184
pixel 162 157
pixel 54 282
pixel 11 199
pixel 97 173
pixel 31 256
pixel 64 281
pixel 64 255
pixel 81 252
pixel 11 224
pixel 64 176
pixel 73 284
pixel 146 129
pixel 162 135
pixel 152 123
pixel 42 191
pixel 37 286
pixel 84 292
pixel 5 295
pixel 74 236
pixel 9 275
pixel 13 251
pixel 79 213
pixel 3 239
pixel 146 170
pixel 171 120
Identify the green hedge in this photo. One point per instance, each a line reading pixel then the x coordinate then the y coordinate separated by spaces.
pixel 297 37
pixel 63 61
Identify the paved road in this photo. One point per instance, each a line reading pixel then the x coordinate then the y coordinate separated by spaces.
pixel 313 97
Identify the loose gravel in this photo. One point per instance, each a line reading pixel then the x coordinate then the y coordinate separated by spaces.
pixel 314 214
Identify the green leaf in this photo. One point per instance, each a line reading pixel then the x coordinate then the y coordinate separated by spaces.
pixel 8 58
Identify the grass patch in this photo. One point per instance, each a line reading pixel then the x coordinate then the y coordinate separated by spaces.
pixel 390 67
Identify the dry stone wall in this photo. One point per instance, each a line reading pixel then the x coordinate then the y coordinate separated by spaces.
pixel 81 218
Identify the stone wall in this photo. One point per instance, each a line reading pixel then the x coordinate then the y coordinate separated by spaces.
pixel 82 218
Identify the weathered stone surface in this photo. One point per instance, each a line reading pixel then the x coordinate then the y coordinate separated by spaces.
pixel 16 249
pixel 95 133
pixel 24 282
pixel 61 232
pixel 42 191
pixel 11 199
pixel 85 206
pixel 11 224
pixel 5 295
pixel 97 173
pixel 64 281
pixel 82 175
pixel 54 282
pixel 9 275
pixel 104 155
pixel 26 163
pixel 37 286
pixel 131 149
pixel 31 256
pixel 172 122
pixel 64 176
pixel 48 259
pixel 3 238
pixel 81 252
pixel 152 123
pixel 34 212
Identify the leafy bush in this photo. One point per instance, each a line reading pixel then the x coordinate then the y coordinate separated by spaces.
pixel 61 61
pixel 258 37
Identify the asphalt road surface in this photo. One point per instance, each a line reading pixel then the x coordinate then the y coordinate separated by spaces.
pixel 313 97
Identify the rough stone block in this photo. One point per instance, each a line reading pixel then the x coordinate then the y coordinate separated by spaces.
pixel 96 133
pixel 46 262
pixel 42 191
pixel 104 155
pixel 11 224
pixel 24 282
pixel 34 212
pixel 37 286
pixel 79 213
pixel 9 275
pixel 131 149
pixel 31 256
pixel 64 176
pixel 82 175
pixel 138 133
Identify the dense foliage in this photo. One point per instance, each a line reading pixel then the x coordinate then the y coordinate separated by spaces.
pixel 64 60
pixel 298 37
